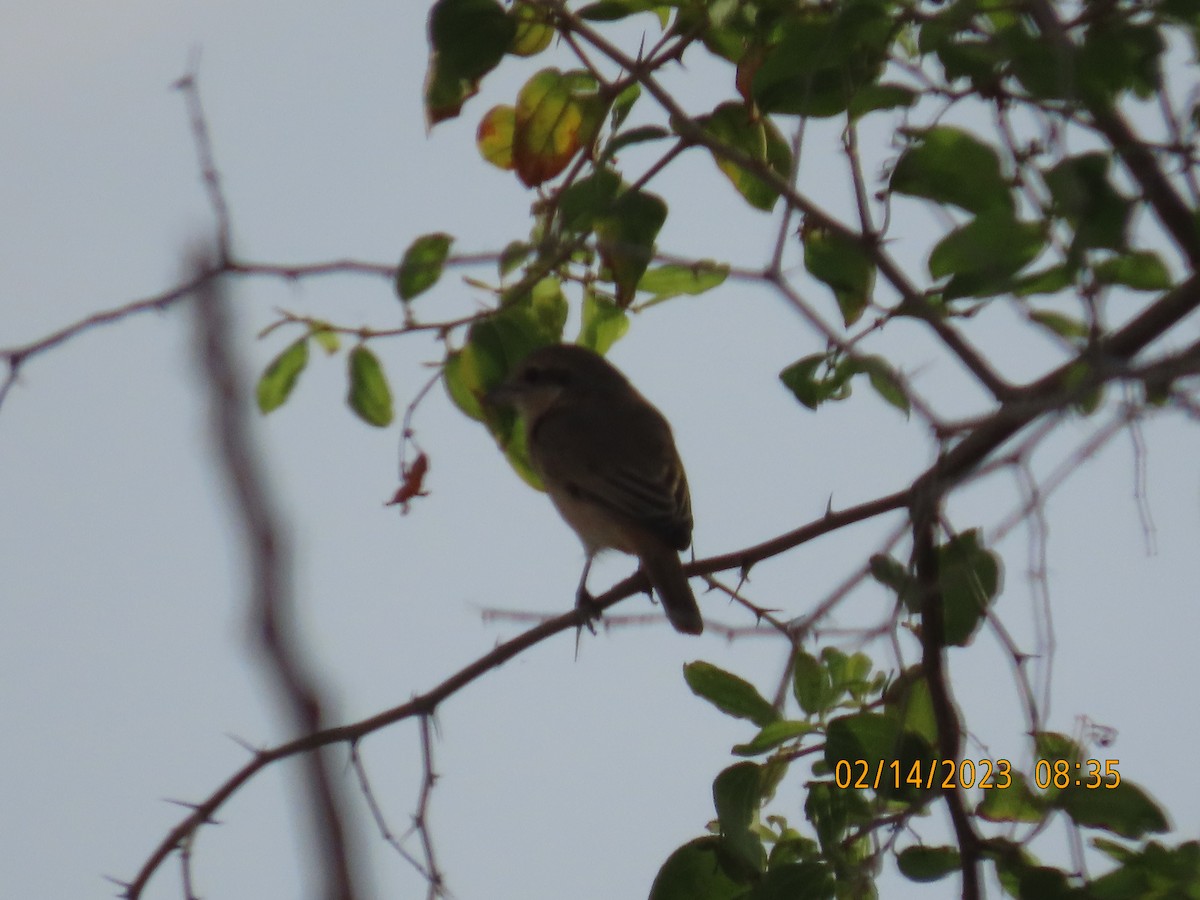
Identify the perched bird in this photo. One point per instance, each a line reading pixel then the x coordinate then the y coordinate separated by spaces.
pixel 609 463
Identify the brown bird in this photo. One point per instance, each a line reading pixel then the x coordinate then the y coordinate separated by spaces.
pixel 608 461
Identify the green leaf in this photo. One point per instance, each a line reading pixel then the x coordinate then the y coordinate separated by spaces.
pixel 848 673
pixel 1154 873
pixel 694 872
pixel 1126 809
pixel 891 573
pixel 494 347
pixel 790 847
pixel 625 238
pixel 1063 326
pixel 948 165
pixel 728 693
pixel 557 114
pixel 813 389
pixel 623 104
pixel 422 264
pixel 1119 56
pixel 633 136
pixel 969 578
pixel 819 685
pixel 1084 196
pixel 876 747
pixel 280 375
pixel 534 32
pixel 586 200
pixel 812 685
pixel 833 811
pixel 863 736
pixel 974 60
pixel 772 735
pixel 1142 270
pixel 1052 745
pixel 513 256
pixel 737 792
pixel 1045 883
pixel 843 265
pixel 1015 803
pixel 494 137
pixel 604 323
pixel 875 97
pixel 756 136
pixel 668 281
pixel 1076 379
pixel 467 39
pixel 824 57
pixel 1046 281
pixel 884 380
pixel 328 339
pixel 613 10
pixel 369 395
pixel 982 255
pixel 924 864
pixel 773 770
pixel 809 880
pixel 549 306
pixel 908 701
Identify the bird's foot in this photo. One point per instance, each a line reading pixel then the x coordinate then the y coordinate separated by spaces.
pixel 587 603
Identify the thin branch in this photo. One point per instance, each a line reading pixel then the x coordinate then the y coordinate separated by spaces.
pixel 385 831
pixel 202 141
pixel 421 819
pixel 785 221
pixel 1141 500
pixel 16 356
pixel 185 869
pixel 271 602
pixel 933 657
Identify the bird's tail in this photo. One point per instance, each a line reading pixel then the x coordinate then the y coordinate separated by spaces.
pixel 662 566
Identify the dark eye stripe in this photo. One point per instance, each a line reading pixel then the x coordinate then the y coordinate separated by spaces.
pixel 535 375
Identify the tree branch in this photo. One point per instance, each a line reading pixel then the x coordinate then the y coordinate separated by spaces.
pixel 271 599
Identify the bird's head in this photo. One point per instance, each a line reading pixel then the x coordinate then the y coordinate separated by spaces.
pixel 552 373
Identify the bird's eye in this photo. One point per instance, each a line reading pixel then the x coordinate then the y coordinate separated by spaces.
pixel 544 375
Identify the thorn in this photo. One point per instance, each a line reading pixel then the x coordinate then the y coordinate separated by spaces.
pixel 194 807
pixel 244 744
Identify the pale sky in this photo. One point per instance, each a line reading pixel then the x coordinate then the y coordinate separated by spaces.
pixel 124 666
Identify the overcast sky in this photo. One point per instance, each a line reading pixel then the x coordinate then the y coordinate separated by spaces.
pixel 124 662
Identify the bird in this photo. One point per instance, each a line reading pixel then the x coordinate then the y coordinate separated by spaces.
pixel 608 460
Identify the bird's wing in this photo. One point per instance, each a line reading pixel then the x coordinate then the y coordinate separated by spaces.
pixel 631 468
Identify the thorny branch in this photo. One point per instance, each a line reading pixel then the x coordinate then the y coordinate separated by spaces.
pixel 978 445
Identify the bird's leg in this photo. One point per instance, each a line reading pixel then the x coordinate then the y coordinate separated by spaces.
pixel 584 600
pixel 649 588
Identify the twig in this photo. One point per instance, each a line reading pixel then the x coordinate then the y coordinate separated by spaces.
pixel 202 141
pixel 385 831
pixel 421 819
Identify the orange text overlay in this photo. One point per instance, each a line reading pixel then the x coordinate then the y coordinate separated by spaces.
pixel 923 773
